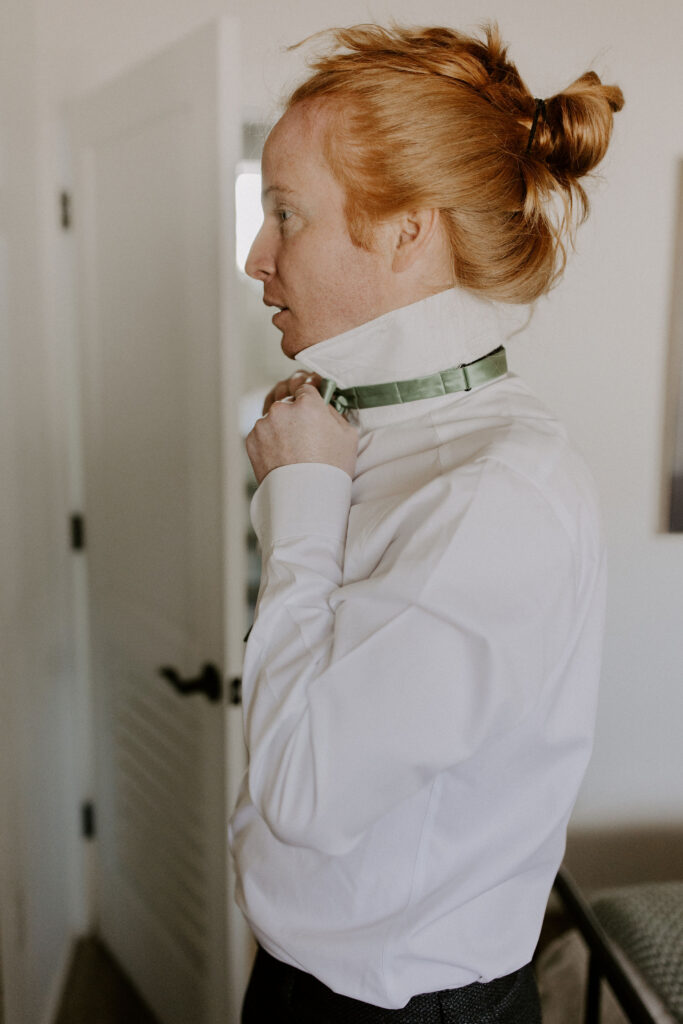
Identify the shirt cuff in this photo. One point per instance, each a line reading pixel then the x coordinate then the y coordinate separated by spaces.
pixel 300 500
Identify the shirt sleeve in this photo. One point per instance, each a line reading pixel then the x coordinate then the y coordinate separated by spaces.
pixel 357 694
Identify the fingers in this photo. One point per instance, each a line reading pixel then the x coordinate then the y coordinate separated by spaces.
pixel 315 379
pixel 280 391
pixel 309 390
pixel 303 393
pixel 301 427
pixel 285 389
pixel 305 389
pixel 303 379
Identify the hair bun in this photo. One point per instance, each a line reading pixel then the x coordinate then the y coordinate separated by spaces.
pixel 570 140
pixel 579 126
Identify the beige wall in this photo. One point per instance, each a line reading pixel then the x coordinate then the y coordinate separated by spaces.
pixel 597 351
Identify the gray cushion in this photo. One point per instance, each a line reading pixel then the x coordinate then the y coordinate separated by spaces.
pixel 646 921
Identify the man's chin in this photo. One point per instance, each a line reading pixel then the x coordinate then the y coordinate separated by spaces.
pixel 291 345
pixel 289 350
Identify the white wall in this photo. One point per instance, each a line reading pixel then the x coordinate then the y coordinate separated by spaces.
pixel 596 351
pixel 36 815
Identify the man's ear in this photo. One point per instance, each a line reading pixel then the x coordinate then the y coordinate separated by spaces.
pixel 414 234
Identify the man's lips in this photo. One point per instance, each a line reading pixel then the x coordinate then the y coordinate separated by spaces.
pixel 281 310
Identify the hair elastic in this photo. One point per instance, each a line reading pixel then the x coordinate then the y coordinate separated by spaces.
pixel 540 109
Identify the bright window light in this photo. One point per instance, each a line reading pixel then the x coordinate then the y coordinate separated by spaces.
pixel 248 208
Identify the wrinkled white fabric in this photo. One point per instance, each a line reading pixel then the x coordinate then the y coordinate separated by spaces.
pixel 420 681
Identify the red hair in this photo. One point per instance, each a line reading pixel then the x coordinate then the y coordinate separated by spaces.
pixel 432 118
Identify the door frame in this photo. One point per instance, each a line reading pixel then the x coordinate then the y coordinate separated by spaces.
pixel 234 518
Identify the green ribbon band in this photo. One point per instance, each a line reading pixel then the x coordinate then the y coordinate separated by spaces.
pixel 446 382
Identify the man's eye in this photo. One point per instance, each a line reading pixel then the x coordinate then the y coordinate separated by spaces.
pixel 284 215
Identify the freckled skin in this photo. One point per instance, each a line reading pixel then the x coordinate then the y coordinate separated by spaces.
pixel 305 258
pixel 303 252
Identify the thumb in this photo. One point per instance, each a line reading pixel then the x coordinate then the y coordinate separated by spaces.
pixel 305 388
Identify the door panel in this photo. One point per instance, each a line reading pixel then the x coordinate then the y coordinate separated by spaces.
pixel 154 155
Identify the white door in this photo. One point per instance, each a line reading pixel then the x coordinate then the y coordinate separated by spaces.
pixel 154 156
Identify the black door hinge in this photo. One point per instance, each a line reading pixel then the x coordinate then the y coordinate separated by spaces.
pixel 77 530
pixel 65 210
pixel 88 819
pixel 235 691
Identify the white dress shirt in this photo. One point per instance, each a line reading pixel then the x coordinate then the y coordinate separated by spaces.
pixel 420 680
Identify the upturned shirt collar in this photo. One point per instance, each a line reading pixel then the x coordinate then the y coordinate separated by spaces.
pixel 442 331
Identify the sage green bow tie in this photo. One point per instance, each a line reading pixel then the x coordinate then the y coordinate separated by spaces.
pixel 446 382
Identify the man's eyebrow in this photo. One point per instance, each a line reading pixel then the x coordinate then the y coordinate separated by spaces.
pixel 278 188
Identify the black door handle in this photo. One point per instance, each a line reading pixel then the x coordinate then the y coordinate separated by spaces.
pixel 208 683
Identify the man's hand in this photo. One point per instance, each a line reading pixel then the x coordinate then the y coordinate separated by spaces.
pixel 285 388
pixel 299 427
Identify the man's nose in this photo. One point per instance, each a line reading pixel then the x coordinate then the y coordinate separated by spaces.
pixel 260 263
